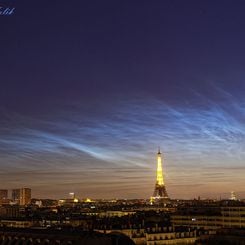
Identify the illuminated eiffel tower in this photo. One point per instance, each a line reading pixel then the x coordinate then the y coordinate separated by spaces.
pixel 160 192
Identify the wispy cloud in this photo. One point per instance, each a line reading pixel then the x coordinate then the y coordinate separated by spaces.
pixel 203 143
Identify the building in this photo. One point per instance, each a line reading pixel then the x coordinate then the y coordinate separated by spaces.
pixel 63 237
pixel 229 217
pixel 224 236
pixel 25 196
pixel 9 211
pixel 16 196
pixel 160 192
pixel 159 235
pixel 168 235
pixel 3 196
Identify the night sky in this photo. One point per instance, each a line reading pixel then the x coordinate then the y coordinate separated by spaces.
pixel 90 89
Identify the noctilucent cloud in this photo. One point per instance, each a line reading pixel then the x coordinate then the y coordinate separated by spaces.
pixel 87 96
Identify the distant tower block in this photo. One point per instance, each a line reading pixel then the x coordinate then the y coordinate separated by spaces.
pixel 160 193
pixel 233 196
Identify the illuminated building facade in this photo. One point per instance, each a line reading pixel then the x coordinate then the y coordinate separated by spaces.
pixel 16 196
pixel 25 196
pixel 3 196
pixel 160 192
pixel 229 217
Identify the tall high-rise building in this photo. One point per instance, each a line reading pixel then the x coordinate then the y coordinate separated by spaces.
pixel 25 196
pixel 16 195
pixel 3 194
pixel 160 192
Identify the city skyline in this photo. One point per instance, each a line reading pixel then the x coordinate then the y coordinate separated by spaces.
pixel 88 95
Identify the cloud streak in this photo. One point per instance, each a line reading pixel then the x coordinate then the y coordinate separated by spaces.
pixel 203 143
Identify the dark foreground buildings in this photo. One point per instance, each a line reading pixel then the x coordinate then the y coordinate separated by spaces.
pixel 14 236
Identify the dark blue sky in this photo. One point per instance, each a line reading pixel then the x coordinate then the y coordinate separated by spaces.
pixel 90 89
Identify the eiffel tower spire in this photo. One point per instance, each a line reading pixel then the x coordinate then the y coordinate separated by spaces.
pixel 160 189
pixel 159 169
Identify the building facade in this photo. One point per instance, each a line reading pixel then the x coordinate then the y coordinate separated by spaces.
pixel 230 217
pixel 3 196
pixel 16 196
pixel 25 196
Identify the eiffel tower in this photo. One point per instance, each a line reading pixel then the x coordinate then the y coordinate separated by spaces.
pixel 160 192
